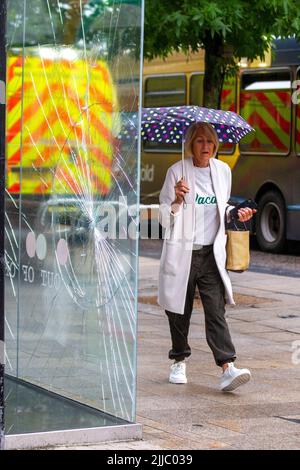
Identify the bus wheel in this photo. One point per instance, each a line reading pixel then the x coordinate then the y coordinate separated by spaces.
pixel 270 222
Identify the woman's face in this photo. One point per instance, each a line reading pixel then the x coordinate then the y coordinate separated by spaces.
pixel 203 149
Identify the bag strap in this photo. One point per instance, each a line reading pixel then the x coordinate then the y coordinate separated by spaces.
pixel 237 229
pixel 233 226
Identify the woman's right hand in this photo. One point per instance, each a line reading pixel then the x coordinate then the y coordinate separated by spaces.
pixel 181 188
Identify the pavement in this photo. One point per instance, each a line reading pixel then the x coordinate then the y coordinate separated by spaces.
pixel 263 414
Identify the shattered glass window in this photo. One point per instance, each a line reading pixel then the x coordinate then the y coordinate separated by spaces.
pixel 72 198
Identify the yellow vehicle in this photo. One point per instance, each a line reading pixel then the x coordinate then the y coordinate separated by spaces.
pixel 66 93
pixel 265 165
pixel 55 143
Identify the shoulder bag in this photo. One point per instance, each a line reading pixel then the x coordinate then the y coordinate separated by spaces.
pixel 238 249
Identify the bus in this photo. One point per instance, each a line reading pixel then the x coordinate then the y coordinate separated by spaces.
pixel 265 164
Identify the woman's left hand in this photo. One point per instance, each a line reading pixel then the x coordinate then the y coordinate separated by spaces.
pixel 245 214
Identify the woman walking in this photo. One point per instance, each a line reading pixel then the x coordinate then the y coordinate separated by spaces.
pixel 193 207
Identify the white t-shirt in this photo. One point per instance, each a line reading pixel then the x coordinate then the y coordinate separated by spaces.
pixel 206 210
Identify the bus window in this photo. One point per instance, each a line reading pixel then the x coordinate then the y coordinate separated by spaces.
pixel 168 90
pixel 196 89
pixel 265 102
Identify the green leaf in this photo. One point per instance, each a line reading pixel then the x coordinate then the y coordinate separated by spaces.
pixel 245 25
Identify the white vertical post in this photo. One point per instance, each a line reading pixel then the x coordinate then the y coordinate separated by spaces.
pixel 2 209
pixel 182 157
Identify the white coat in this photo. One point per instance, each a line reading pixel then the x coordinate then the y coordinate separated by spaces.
pixel 176 255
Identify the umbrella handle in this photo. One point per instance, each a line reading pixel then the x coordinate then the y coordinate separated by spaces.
pixel 182 158
pixel 183 168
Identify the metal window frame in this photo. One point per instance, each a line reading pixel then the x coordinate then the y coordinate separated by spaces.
pixel 157 75
pixel 156 93
pixel 297 146
pixel 193 74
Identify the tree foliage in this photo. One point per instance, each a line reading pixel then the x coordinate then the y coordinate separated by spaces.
pixel 227 30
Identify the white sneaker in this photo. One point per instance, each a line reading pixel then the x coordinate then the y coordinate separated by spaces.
pixel 233 378
pixel 177 373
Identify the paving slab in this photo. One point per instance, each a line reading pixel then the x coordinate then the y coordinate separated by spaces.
pixel 263 414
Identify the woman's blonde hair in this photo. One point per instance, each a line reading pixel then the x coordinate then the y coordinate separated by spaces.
pixel 207 130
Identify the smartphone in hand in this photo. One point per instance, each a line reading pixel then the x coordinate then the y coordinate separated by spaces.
pixel 247 203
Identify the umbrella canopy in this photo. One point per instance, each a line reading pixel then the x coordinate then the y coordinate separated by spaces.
pixel 169 124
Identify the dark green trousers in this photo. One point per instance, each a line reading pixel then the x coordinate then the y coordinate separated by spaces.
pixel 205 275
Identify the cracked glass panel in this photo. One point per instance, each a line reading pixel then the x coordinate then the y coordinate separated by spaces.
pixel 72 199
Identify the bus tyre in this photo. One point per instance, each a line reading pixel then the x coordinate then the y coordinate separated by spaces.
pixel 270 222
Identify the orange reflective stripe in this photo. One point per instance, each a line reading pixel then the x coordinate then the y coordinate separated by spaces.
pixel 14 188
pixel 12 63
pixel 55 125
pixel 274 111
pixel 15 158
pixel 256 120
pixel 263 109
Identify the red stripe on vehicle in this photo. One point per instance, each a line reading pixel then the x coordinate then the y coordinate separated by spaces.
pixel 256 120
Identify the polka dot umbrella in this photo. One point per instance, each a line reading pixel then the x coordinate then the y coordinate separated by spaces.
pixel 169 124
